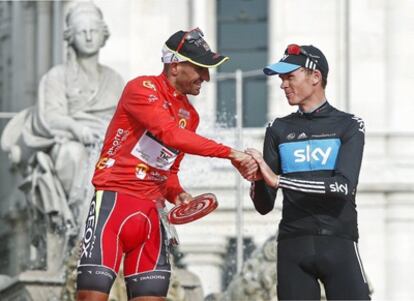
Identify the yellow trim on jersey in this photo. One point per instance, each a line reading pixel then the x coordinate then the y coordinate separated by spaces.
pixel 99 195
pixel 198 64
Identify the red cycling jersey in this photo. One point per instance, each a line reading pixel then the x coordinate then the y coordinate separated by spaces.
pixel 153 126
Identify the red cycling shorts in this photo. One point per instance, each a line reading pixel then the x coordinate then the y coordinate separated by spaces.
pixel 120 225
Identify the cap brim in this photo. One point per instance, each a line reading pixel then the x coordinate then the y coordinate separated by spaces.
pixel 280 68
pixel 208 60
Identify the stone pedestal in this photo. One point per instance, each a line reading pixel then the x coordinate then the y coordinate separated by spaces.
pixel 399 237
pixel 32 286
pixel 206 261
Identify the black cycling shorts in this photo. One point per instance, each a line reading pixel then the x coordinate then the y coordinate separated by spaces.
pixel 335 262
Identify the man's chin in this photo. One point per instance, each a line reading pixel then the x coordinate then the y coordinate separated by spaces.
pixel 195 92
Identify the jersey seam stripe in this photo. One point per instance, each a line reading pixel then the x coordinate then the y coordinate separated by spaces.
pixel 303 185
pixel 161 235
pixel 359 262
pixel 287 182
pixel 97 265
pixel 120 229
pixel 300 189
pixel 301 181
pixel 139 257
pixel 104 226
pixel 129 276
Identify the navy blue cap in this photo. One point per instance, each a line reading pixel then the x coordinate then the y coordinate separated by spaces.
pixel 307 56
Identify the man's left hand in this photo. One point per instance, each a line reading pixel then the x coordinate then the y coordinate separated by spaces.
pixel 183 198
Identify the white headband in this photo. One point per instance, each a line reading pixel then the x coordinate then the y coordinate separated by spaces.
pixel 169 56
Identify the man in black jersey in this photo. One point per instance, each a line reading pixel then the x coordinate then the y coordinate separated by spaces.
pixel 314 155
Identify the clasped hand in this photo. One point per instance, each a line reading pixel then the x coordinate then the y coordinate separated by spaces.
pixel 253 167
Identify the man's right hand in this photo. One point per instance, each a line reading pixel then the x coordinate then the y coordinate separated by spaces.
pixel 245 164
pixel 265 171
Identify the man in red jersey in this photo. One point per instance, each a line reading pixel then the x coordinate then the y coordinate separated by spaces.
pixel 153 126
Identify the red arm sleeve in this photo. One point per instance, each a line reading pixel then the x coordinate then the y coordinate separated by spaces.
pixel 154 116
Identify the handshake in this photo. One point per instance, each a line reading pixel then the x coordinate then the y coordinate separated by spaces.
pixel 252 166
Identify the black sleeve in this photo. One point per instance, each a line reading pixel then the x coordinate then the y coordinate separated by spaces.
pixel 262 195
pixel 344 181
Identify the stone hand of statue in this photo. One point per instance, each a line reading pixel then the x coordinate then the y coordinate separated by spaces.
pixel 87 136
pixel 244 163
pixel 266 172
pixel 61 136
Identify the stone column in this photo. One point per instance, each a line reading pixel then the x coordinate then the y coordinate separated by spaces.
pixel 372 214
pixel 399 41
pixel 44 29
pixel 400 247
pixel 206 261
pixel 202 14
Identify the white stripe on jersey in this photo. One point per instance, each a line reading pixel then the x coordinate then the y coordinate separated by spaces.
pixel 302 185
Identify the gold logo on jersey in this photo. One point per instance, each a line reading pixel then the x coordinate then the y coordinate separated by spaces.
pixel 149 84
pixel 141 171
pixel 182 123
pixel 101 163
pixel 105 162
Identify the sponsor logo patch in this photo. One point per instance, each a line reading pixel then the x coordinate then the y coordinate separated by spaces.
pixel 119 138
pixel 184 113
pixel 324 135
pixel 149 84
pixel 182 123
pixel 166 104
pixel 152 98
pixel 361 123
pixel 89 237
pixel 302 136
pixel 291 136
pixel 336 187
pixel 104 273
pixel 105 163
pixel 309 155
pixel 141 171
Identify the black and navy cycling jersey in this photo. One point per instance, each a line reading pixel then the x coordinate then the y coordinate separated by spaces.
pixel 318 156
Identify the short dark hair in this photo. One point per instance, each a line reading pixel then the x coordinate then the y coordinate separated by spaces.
pixel 324 80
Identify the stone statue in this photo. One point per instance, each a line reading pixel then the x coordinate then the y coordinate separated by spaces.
pixel 257 280
pixel 55 143
pixel 184 286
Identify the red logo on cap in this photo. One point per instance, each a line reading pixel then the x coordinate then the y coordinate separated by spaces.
pixel 293 49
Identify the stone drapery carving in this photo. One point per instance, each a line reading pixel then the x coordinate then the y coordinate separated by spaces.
pixel 257 280
pixel 54 144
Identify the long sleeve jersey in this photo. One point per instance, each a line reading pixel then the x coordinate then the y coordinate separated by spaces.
pixel 318 156
pixel 152 128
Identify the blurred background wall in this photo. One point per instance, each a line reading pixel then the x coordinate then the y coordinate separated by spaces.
pixel 369 46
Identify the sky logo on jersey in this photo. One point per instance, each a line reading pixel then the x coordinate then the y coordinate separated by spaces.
pixel 309 155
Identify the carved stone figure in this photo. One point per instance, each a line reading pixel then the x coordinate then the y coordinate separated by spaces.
pixel 257 280
pixel 55 143
pixel 184 286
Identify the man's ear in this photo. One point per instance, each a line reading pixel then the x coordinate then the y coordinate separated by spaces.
pixel 174 69
pixel 316 77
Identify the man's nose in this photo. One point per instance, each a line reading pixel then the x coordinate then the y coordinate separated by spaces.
pixel 205 74
pixel 283 84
